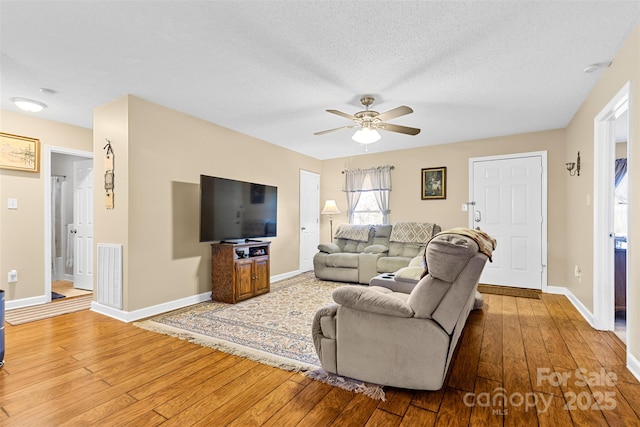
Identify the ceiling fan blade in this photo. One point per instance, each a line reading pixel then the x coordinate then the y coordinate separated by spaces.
pixel 396 112
pixel 333 130
pixel 340 113
pixel 398 128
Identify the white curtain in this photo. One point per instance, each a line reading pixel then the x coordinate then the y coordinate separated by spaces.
pixel 377 180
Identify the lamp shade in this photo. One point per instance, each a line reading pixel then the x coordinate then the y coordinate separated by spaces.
pixel 366 136
pixel 330 207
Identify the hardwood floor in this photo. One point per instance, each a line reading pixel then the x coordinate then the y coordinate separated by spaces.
pixel 85 369
pixel 66 288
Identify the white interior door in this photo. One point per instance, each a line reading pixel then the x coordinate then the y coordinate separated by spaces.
pixel 508 197
pixel 83 224
pixel 309 218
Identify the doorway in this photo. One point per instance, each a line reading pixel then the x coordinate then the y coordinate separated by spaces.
pixel 609 237
pixel 61 256
pixel 508 200
pixel 309 218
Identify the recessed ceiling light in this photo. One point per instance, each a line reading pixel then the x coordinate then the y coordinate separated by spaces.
pixel 29 105
pixel 597 66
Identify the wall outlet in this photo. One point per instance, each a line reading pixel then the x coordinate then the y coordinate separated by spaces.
pixel 577 273
pixel 12 277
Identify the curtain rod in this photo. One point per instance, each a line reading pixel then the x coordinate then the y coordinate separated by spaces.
pixel 390 167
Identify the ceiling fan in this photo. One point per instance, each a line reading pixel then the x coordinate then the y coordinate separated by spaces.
pixel 368 122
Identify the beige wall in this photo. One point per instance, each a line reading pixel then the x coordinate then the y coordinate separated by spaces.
pixel 580 137
pixel 22 230
pixel 407 205
pixel 160 154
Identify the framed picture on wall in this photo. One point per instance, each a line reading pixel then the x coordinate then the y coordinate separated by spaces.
pixel 434 183
pixel 19 152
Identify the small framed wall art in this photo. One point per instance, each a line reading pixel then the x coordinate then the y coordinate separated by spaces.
pixel 434 183
pixel 19 153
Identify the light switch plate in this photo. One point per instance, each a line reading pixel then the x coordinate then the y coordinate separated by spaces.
pixel 12 203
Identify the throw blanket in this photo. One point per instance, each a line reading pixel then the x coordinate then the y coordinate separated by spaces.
pixel 359 233
pixel 486 243
pixel 411 232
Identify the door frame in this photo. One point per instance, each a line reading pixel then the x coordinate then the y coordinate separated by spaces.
pixel 544 195
pixel 603 247
pixel 47 158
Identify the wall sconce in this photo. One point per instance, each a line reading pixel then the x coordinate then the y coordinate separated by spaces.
pixel 330 208
pixel 571 166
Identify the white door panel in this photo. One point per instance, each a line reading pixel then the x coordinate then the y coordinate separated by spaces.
pixel 309 218
pixel 508 206
pixel 83 224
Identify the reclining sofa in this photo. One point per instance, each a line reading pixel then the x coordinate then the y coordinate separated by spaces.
pixel 404 340
pixel 361 252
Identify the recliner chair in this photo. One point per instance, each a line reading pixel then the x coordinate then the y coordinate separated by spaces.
pixel 404 340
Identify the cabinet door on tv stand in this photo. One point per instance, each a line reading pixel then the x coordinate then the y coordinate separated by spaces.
pixel 244 279
pixel 261 275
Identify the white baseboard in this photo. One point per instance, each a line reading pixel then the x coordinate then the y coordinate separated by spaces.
pixel 283 276
pixel 24 302
pixel 633 364
pixel 584 311
pixel 131 316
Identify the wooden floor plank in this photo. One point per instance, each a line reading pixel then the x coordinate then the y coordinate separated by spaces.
pixel 87 369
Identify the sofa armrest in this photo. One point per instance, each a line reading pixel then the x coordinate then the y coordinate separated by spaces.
pixel 330 248
pixel 371 300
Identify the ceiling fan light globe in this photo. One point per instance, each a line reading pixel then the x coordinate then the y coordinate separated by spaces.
pixel 366 136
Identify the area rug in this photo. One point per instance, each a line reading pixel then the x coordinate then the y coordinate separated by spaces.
pixel 274 328
pixel 507 291
pixel 55 295
pixel 19 316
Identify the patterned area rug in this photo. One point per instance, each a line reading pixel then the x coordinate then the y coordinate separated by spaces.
pixel 273 329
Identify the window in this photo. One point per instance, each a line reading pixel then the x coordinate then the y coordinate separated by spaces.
pixel 367 192
pixel 367 210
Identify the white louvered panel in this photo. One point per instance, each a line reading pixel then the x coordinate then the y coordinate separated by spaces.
pixel 110 275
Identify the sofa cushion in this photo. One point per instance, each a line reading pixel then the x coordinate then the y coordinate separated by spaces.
pixel 390 264
pixel 343 260
pixel 417 261
pixel 376 249
pixel 407 250
pixel 409 274
pixel 448 254
pixel 426 296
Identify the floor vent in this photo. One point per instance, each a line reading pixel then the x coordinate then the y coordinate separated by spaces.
pixel 110 275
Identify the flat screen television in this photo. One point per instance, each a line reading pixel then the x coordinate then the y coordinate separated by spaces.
pixel 233 210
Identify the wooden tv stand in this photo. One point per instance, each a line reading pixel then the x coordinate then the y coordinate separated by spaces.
pixel 234 278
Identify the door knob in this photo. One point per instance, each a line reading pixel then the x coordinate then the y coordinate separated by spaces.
pixel 476 216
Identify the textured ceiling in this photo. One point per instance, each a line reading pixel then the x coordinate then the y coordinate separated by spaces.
pixel 269 69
